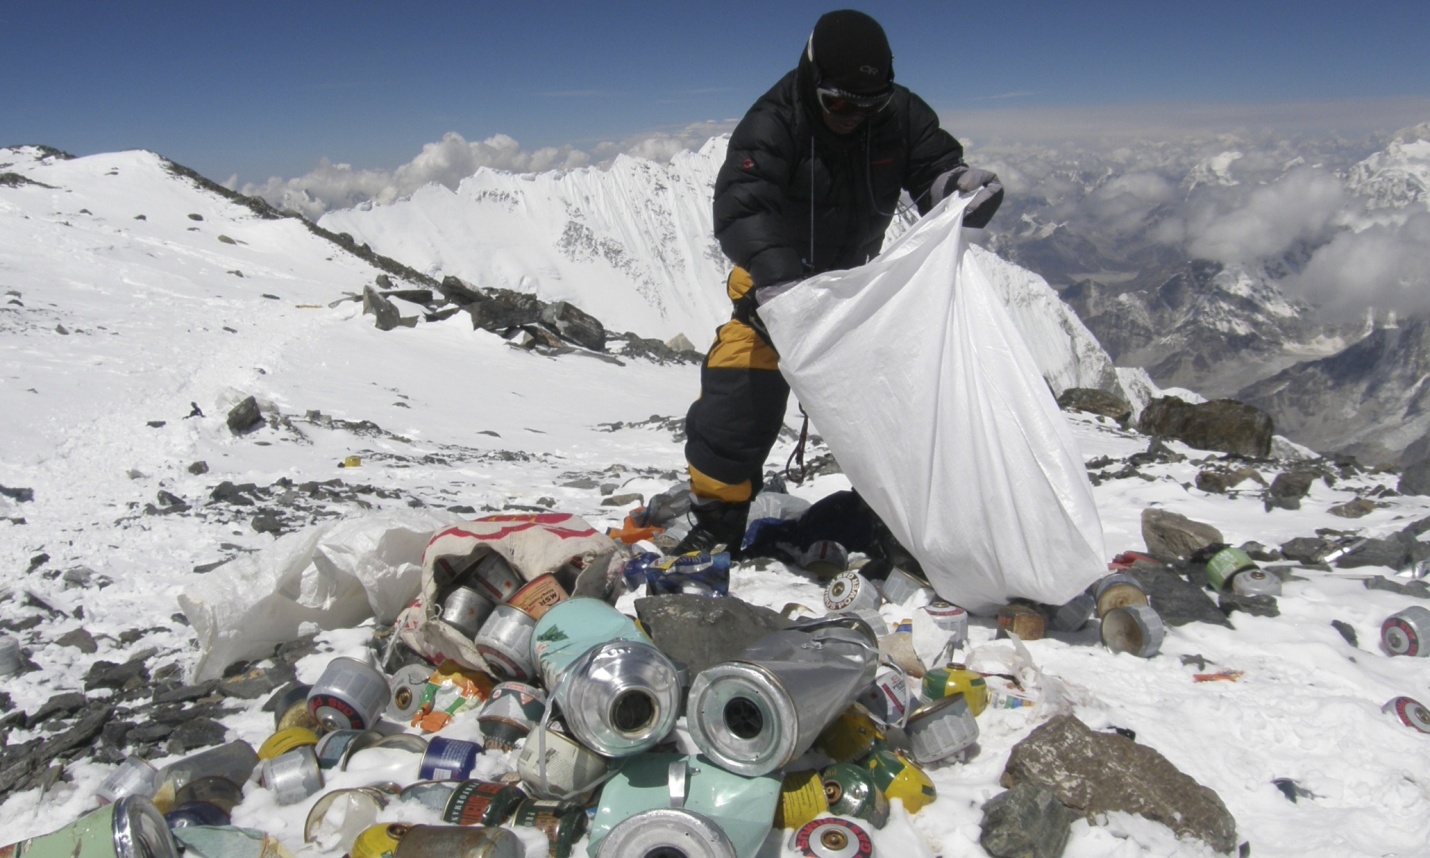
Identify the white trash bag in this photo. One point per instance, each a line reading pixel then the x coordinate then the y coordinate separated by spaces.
pixel 913 372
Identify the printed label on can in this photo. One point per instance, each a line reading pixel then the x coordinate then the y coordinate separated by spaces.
pixel 1411 712
pixel 801 799
pixel 831 837
pixel 538 596
pixel 449 759
pixel 1402 632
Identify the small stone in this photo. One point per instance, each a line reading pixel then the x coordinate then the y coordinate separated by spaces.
pixel 198 468
pixel 198 733
pixel 1347 632
pixel 1357 508
pixel 1027 821
pixel 1260 605
pixel 80 639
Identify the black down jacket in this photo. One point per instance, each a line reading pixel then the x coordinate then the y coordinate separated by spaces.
pixel 794 199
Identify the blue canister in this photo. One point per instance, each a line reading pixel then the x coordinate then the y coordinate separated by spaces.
pixel 618 694
pixel 449 759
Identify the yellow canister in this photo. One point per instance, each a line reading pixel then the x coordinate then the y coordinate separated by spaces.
pixel 850 736
pixel 379 841
pixel 286 740
pixel 802 799
pixel 956 679
pixel 902 778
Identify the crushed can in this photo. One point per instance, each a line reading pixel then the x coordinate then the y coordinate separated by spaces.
pixel 754 714
pixel 465 610
pixel 850 591
pixel 648 786
pixel 1404 632
pixel 554 765
pixel 504 642
pixel 889 698
pixel 801 799
pixel 562 822
pixel 941 729
pixel 850 791
pixel 409 688
pixel 130 827
pixel 1411 712
pixel 349 695
pixel 510 713
pixel 1117 591
pixel 832 837
pixel 286 740
pixel 433 795
pixel 900 587
pixel 1226 563
pixel 1135 629
pixel 134 776
pixel 956 679
pixel 618 694
pixel 482 803
pixel 333 749
pixel 824 558
pixel 898 777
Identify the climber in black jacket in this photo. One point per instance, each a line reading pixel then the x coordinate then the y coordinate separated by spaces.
pixel 811 180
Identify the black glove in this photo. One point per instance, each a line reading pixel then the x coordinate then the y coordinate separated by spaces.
pixel 986 200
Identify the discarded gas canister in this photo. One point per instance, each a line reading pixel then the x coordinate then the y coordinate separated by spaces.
pixel 757 713
pixel 1117 591
pixel 832 837
pixel 538 596
pixel 850 791
pixel 1411 712
pixel 349 695
pixel 333 748
pixel 1255 582
pixel 1022 620
pixel 493 575
pixel 1404 632
pixel 956 679
pixel 196 813
pixel 947 617
pixel 409 686
pixel 379 841
pixel 128 828
pixel 292 776
pixel 453 841
pixel 234 760
pixel 482 803
pixel 1226 563
pixel 940 729
pixel 289 706
pixel 850 591
pixel 562 822
pixel 666 831
pixel 218 791
pixel 619 695
pixel 897 776
pixel 343 815
pixel 554 765
pixel 465 610
pixel 1135 629
pixel 286 740
pixel 851 735
pixel 824 558
pixel 511 712
pixel 888 699
pixel 900 587
pixel 449 759
pixel 505 643
pixel 1072 615
pixel 135 776
pixel 801 799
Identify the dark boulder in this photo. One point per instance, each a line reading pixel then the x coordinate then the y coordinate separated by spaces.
pixel 1222 424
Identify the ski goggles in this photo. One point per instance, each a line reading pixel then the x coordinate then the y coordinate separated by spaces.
pixel 839 102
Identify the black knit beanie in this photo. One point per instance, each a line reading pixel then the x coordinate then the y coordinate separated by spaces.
pixel 851 52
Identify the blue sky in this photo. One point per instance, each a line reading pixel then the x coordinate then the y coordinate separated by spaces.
pixel 261 89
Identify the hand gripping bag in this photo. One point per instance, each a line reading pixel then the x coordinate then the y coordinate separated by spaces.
pixel 913 372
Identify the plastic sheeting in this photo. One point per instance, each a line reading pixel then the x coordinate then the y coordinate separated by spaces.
pixel 915 375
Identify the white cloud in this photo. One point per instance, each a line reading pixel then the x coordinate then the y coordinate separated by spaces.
pixel 1384 266
pixel 1272 218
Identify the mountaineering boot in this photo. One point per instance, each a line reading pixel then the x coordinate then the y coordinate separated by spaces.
pixel 716 523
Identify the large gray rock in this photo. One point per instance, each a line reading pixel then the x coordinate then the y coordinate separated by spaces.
pixel 1170 535
pixel 1094 401
pixel 1097 773
pixel 1222 424
pixel 1027 821
pixel 1176 600
pixel 1415 480
pixel 575 325
pixel 1287 490
pixel 376 305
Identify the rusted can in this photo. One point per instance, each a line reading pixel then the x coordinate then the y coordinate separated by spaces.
pixel 409 685
pixel 1411 712
pixel 349 695
pixel 538 595
pixel 850 791
pixel 1134 629
pixel 850 591
pixel 1022 620
pixel 563 823
pixel 898 777
pixel 666 832
pixel 850 736
pixel 889 698
pixel 289 706
pixel 832 837
pixel 449 759
pixel 1255 582
pixel 1117 591
pixel 1404 632
pixel 940 729
pixel 505 643
pixel 510 713
pixel 493 575
pixel 292 776
pixel 824 558
pixel 554 765
pixel 1226 563
pixel 900 587
pixel 286 740
pixel 130 827
pixel 801 799
pixel 482 803
pixel 453 841
pixel 954 679
pixel 465 610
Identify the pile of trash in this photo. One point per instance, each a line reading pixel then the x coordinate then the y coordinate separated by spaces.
pixel 512 700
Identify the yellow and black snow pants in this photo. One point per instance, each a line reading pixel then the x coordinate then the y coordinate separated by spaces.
pixel 731 428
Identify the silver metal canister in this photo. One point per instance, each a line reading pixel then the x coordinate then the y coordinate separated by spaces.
pixel 134 776
pixel 510 713
pixel 1133 628
pixel 350 695
pixel 618 694
pixel 850 591
pixel 941 728
pixel 292 775
pixel 948 617
pixel 1404 632
pixel 900 586
pixel 554 765
pixel 493 575
pixel 131 827
pixel 1411 712
pixel 505 643
pixel 666 831
pixel 1255 582
pixel 832 837
pixel 755 714
pixel 465 610
pixel 408 685
pixel 824 558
